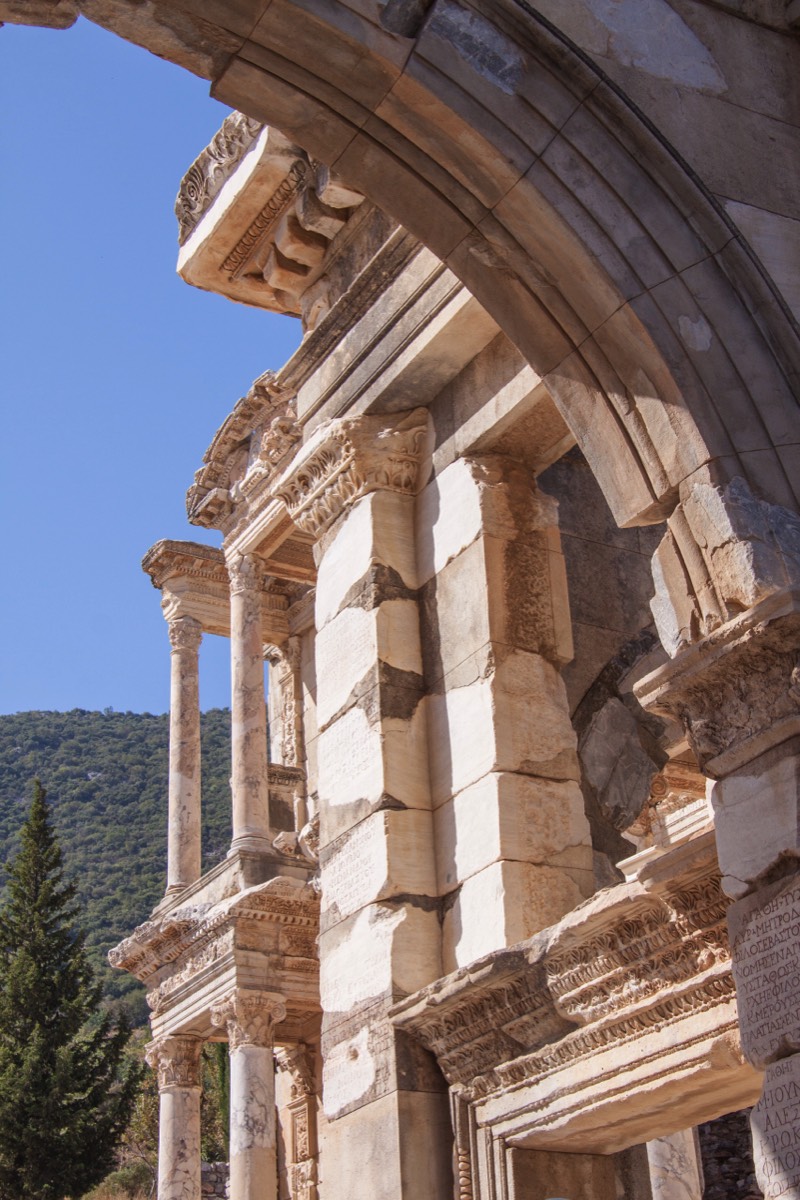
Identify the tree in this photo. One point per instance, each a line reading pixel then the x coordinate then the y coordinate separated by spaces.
pixel 66 1092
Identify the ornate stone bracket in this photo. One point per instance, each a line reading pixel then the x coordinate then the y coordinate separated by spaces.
pixel 735 692
pixel 202 182
pixel 725 552
pixel 346 459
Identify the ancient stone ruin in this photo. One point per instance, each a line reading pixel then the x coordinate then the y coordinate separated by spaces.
pixel 512 905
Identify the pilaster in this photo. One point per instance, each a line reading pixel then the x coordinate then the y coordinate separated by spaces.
pixel 354 486
pixel 513 846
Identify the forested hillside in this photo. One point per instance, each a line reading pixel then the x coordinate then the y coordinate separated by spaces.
pixel 106 779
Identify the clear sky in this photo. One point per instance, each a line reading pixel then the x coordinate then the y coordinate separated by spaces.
pixel 114 373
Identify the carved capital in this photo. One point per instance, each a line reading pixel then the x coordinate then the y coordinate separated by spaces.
pixel 250 1017
pixel 245 573
pixel 176 1061
pixel 297 1061
pixel 735 692
pixel 185 633
pixel 348 458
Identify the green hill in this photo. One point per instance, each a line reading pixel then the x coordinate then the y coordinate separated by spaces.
pixel 106 780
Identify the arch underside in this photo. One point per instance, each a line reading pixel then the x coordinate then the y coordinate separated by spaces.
pixel 496 142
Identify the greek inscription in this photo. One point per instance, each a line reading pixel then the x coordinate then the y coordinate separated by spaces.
pixel 776 1131
pixel 766 967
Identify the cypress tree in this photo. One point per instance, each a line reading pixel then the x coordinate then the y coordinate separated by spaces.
pixel 65 1090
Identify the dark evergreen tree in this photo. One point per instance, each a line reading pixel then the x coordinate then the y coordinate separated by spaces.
pixel 66 1092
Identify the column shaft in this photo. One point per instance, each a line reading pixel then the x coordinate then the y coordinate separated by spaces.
pixel 183 839
pixel 250 1018
pixel 249 775
pixel 177 1062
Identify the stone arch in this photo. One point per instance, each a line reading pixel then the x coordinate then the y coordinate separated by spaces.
pixel 504 148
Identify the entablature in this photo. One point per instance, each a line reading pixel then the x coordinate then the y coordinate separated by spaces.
pixel 193 581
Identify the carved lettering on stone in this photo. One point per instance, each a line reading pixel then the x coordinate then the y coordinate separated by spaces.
pixel 775 1122
pixel 765 931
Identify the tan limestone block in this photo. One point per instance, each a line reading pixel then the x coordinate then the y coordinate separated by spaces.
pixel 363 765
pixel 399 1144
pixel 384 951
pixel 775 1124
pixel 502 905
pixel 355 641
pixel 377 531
pixel 514 719
pixel 514 817
pixel 757 816
pixel 765 948
pixel 387 854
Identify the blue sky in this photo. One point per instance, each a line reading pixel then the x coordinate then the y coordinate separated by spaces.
pixel 115 374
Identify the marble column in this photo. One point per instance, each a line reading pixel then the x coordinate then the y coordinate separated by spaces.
pixel 176 1061
pixel 249 774
pixel 183 839
pixel 250 1018
pixel 675 1170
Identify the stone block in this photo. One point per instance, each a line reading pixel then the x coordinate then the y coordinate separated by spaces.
pixel 504 904
pixel 542 1174
pixel 757 816
pixel 388 854
pixel 350 647
pixel 775 1124
pixel 514 817
pixel 366 764
pixel 385 951
pixel 398 1145
pixel 366 1057
pixel 377 531
pixel 765 948
pixel 508 715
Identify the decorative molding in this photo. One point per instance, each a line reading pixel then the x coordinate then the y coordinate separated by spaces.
pixel 298 1063
pixel 176 1061
pixel 212 167
pixel 347 458
pixel 246 574
pixel 250 1017
pixel 259 230
pixel 734 692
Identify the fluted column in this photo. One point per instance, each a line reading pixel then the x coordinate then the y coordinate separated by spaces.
pixel 183 838
pixel 176 1061
pixel 250 1018
pixel 249 775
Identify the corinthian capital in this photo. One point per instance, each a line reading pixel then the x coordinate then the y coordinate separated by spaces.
pixel 245 573
pixel 250 1017
pixel 176 1061
pixel 347 458
pixel 185 633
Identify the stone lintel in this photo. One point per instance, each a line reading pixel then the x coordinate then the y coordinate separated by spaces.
pixel 736 692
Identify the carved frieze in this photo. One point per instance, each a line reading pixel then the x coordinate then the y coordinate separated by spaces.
pixel 202 182
pixel 347 458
